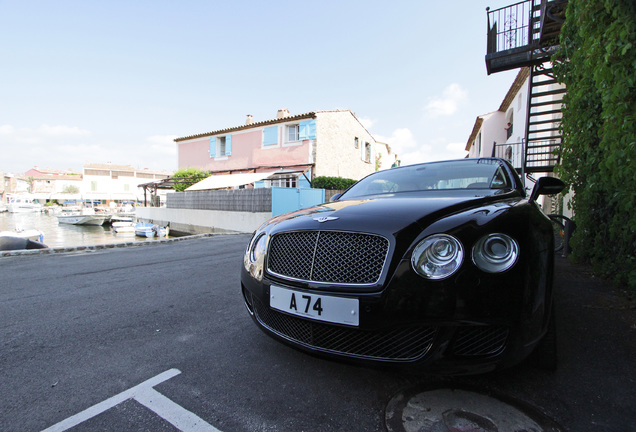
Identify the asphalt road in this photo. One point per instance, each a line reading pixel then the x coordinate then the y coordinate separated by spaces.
pixel 81 328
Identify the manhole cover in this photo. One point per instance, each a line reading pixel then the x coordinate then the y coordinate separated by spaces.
pixel 456 410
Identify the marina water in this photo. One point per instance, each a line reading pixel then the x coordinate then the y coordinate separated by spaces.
pixel 64 235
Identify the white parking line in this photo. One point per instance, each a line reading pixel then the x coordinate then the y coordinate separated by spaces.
pixel 143 393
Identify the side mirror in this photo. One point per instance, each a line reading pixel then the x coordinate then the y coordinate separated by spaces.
pixel 546 186
pixel 335 197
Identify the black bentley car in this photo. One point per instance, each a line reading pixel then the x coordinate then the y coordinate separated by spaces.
pixel 446 266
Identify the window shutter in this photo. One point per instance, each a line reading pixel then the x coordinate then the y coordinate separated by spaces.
pixel 270 135
pixel 228 145
pixel 213 147
pixel 307 129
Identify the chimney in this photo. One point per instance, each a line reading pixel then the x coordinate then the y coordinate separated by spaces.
pixel 250 119
pixel 282 113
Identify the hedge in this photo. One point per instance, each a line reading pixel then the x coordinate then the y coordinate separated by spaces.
pixel 338 183
pixel 597 63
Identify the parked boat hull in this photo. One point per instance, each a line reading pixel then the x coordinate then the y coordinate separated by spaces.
pixel 96 220
pixel 30 234
pixel 19 243
pixel 149 230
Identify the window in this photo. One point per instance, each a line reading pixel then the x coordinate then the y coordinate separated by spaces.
pixel 356 142
pixel 93 186
pixel 478 145
pixel 221 146
pixel 97 172
pixel 288 181
pixel 116 174
pixel 292 133
pixel 509 125
pixel 367 152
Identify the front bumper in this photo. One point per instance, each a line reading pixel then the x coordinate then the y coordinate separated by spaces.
pixel 436 333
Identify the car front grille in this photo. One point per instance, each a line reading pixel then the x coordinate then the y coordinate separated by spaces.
pixel 478 341
pixel 401 344
pixel 328 256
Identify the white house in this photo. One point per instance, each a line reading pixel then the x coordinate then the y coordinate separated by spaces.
pixel 504 133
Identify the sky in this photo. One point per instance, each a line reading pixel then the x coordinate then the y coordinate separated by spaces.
pixel 87 81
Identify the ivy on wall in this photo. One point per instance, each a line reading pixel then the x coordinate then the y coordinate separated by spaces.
pixel 597 63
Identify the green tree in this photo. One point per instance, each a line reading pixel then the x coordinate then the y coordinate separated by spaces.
pixel 70 189
pixel 184 178
pixel 597 63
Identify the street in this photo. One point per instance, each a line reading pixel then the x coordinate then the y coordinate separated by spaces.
pixel 161 333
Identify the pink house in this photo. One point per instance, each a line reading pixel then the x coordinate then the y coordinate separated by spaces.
pixel 297 148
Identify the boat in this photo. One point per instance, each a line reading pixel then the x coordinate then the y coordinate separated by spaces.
pixel 144 229
pixel 19 243
pixel 123 227
pixel 30 234
pixel 22 204
pixel 86 216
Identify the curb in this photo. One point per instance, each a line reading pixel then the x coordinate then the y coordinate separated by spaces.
pixel 64 249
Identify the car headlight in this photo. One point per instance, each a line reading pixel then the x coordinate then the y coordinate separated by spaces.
pixel 437 256
pixel 495 253
pixel 257 249
pixel 254 259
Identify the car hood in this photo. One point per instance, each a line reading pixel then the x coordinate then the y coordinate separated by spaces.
pixel 383 215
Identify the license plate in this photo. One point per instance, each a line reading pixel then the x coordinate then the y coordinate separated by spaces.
pixel 326 308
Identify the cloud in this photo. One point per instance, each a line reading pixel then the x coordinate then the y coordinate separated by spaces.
pixel 448 103
pixel 7 130
pixel 410 151
pixel 366 122
pixel 163 144
pixel 41 134
pixel 62 131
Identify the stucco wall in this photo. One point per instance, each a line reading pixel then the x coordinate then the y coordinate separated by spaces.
pixel 336 154
pixel 203 221
pixel 247 151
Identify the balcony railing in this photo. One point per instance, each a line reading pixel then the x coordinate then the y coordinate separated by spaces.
pixel 509 28
pixel 523 34
pixel 512 152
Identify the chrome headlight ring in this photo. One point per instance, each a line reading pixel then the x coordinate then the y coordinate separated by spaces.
pixel 495 253
pixel 437 256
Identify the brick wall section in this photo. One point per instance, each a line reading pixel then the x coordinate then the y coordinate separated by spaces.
pixel 242 200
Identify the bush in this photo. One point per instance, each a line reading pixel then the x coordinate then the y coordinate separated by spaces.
pixel 337 183
pixel 596 63
pixel 184 178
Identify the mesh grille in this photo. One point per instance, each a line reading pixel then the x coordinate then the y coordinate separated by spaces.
pixel 480 341
pixel 328 256
pixel 402 344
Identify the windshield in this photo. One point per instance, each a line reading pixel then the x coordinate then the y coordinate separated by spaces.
pixel 451 175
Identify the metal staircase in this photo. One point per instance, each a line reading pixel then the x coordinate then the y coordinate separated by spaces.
pixel 527 34
pixel 543 125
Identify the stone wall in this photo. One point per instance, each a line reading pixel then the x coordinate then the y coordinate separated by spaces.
pixel 336 151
